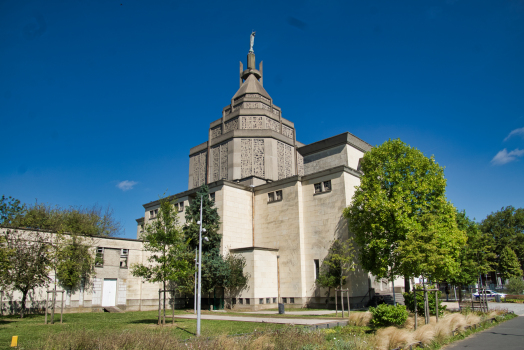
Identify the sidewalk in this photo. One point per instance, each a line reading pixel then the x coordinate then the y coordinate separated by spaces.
pixel 329 323
pixel 518 309
pixel 508 336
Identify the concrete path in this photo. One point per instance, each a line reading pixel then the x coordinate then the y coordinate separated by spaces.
pixel 303 313
pixel 518 309
pixel 296 321
pixel 508 335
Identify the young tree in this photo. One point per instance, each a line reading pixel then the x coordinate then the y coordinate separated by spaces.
pixel 476 256
pixel 509 265
pixel 399 188
pixel 505 228
pixel 169 259
pixel 29 262
pixel 516 285
pixel 73 261
pixel 336 265
pixel 238 279
pixel 10 209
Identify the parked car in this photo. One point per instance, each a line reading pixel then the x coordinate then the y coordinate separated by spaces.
pixel 489 294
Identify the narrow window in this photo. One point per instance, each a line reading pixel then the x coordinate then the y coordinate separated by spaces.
pixel 317 268
pixel 124 255
pixel 284 300
pixel 240 301
pixel 271 197
pixel 142 228
pixel 181 206
pixel 261 301
pixel 327 186
pixel 151 214
pixel 318 187
pixel 212 196
pixel 279 195
pixel 99 258
pixel 156 212
pixel 359 166
pixel 268 300
pixel 234 301
pixel 274 300
pixel 248 301
pixel 291 300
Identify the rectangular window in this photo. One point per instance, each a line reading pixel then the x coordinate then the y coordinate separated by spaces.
pixel 274 300
pixel 317 268
pixel 156 213
pixel 268 300
pixel 181 206
pixel 124 255
pixel 248 301
pixel 261 301
pixel 234 301
pixel 240 301
pixel 151 214
pixel 279 195
pixel 99 258
pixel 284 300
pixel 318 188
pixel 327 186
pixel 291 300
pixel 271 197
pixel 212 196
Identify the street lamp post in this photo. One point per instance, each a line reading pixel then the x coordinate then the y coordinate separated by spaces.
pixel 199 299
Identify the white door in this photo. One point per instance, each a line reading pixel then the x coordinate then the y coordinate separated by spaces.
pixel 109 292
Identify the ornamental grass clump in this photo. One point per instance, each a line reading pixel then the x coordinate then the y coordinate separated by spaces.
pixel 360 319
pixel 388 315
pixel 392 337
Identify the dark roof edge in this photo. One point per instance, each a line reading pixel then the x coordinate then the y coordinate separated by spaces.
pixel 238 250
pixel 344 138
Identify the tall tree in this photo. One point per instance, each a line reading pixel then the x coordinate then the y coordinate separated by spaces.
pixel 505 228
pixel 336 265
pixel 30 261
pixel 169 259
pixel 509 265
pixel 401 197
pixel 87 221
pixel 10 210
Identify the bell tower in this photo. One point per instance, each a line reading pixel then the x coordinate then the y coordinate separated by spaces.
pixel 251 143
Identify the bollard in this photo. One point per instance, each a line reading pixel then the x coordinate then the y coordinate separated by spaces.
pixel 14 341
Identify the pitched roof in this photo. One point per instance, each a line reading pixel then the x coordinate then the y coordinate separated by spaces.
pixel 251 86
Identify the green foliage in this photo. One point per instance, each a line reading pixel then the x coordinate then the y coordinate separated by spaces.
pixel 399 214
pixel 515 285
pixel 238 279
pixel 5 263
pixel 169 258
pixel 73 261
pixel 29 261
pixel 505 228
pixel 476 256
pixel 508 264
pixel 336 265
pixel 388 315
pixel 10 209
pixel 216 271
pixel 92 221
pixel 410 302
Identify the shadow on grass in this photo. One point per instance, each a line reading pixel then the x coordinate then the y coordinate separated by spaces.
pixel 17 317
pixel 146 321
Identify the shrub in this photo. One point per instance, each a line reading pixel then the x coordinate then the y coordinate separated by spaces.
pixel 388 315
pixel 410 304
pixel 516 285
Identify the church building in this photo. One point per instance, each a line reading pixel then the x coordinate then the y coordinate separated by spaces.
pixel 280 201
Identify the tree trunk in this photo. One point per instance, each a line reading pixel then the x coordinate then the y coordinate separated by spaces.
pixel 406 284
pixel 460 293
pixel 164 318
pixel 22 307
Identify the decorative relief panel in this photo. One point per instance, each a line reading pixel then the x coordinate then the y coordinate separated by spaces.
pixel 253 122
pixel 227 111
pixel 216 131
pixel 258 158
pixel 276 112
pixel 246 157
pixel 273 125
pixel 280 160
pixel 300 164
pixel 231 125
pixel 287 131
pixel 199 168
pixel 215 154
pixel 288 160
pixel 223 161
pixel 258 96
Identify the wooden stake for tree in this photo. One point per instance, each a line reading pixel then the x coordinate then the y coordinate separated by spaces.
pixel 415 300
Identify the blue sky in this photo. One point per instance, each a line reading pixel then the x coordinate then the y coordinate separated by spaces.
pixel 95 93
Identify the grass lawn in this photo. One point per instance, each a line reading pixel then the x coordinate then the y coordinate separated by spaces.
pixel 31 329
